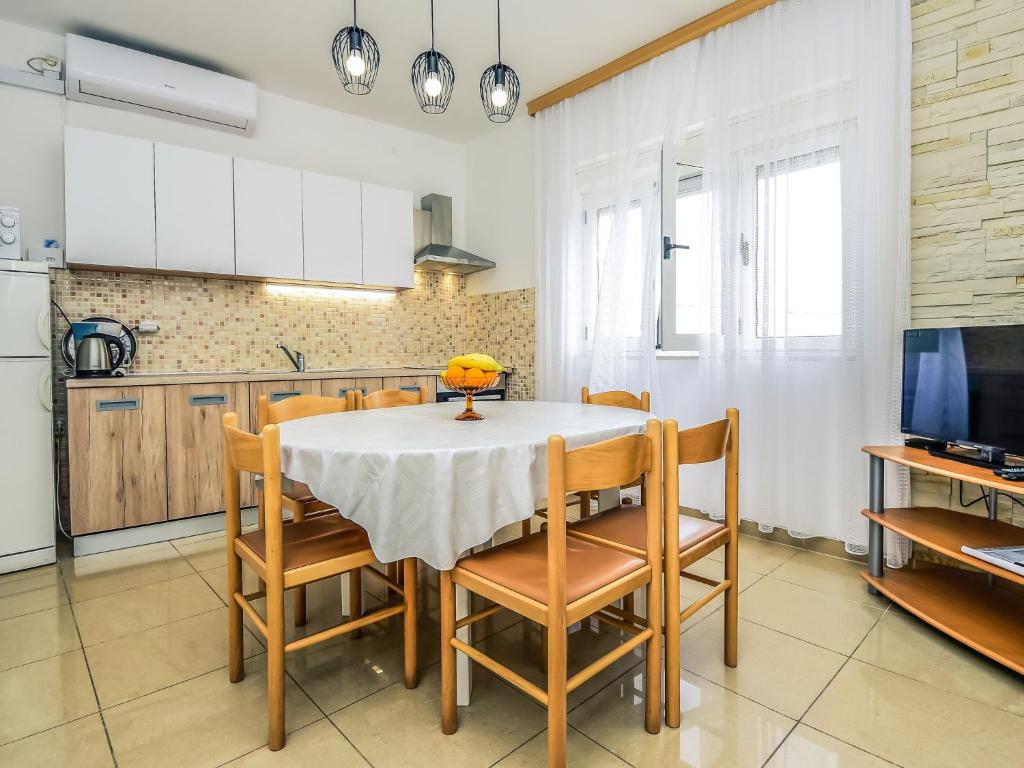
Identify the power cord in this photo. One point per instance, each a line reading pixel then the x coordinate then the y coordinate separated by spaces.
pixel 984 497
pixel 59 430
pixel 48 61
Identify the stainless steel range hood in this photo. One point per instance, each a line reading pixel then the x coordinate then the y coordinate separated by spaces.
pixel 433 236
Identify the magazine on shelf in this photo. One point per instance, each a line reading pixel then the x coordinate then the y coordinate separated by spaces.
pixel 1010 558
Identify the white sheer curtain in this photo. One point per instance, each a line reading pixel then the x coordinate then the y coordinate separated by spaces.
pixel 807 165
pixel 598 160
pixel 805 110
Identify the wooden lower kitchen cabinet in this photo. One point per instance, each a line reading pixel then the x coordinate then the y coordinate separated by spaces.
pixel 338 387
pixel 195 466
pixel 429 383
pixel 117 452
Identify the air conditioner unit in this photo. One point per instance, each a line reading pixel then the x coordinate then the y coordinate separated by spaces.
pixel 101 73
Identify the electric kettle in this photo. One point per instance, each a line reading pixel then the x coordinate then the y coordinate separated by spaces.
pixel 93 356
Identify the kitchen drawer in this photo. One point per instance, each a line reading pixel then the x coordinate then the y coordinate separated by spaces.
pixel 429 383
pixel 117 451
pixel 337 387
pixel 195 466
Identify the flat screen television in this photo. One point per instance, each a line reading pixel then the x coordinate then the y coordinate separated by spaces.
pixel 965 386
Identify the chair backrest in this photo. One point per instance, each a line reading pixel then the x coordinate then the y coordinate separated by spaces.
pixel 391 398
pixel 301 406
pixel 602 465
pixel 700 445
pixel 618 398
pixel 257 454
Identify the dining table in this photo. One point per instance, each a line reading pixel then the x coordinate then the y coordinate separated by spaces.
pixel 427 486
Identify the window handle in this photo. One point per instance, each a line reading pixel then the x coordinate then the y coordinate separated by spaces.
pixel 667 246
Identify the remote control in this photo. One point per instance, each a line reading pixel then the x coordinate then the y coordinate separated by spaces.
pixel 1014 474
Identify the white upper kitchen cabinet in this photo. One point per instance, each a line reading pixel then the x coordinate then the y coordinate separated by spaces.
pixel 332 229
pixel 387 237
pixel 268 220
pixel 108 200
pixel 195 217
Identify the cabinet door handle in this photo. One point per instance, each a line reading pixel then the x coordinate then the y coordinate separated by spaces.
pixel 128 404
pixel 201 400
pixel 45 392
pixel 276 397
pixel 410 389
pixel 345 390
pixel 43 327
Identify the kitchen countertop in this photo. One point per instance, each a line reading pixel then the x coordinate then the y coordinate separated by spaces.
pixel 216 377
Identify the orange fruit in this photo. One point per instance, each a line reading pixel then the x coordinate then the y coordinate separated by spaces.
pixel 455 374
pixel 475 378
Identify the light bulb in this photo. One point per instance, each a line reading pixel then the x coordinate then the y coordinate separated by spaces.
pixel 499 97
pixel 432 85
pixel 355 64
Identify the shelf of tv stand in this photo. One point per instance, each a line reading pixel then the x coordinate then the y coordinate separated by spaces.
pixel 985 610
pixel 986 617
pixel 945 531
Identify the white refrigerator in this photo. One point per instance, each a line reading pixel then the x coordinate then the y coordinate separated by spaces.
pixel 26 420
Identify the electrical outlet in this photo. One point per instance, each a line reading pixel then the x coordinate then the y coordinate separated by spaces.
pixel 148 326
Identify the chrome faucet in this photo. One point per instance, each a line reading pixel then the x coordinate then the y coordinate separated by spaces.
pixel 298 359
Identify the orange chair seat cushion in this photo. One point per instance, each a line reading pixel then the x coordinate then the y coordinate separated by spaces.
pixel 522 566
pixel 627 526
pixel 312 541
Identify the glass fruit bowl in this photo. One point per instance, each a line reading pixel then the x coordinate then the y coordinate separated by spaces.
pixel 469 388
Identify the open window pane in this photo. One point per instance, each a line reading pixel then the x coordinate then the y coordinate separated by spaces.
pixel 799 249
pixel 691 286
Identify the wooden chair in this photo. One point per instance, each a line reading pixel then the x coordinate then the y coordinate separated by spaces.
pixel 556 581
pixel 619 399
pixel 687 540
pixel 297 497
pixel 391 398
pixel 288 555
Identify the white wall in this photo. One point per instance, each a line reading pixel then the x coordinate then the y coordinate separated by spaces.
pixel 289 132
pixel 499 205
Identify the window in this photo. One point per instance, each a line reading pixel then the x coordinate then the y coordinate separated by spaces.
pixel 598 237
pixel 798 248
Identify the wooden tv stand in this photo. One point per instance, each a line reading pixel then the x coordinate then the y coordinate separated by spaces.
pixel 983 610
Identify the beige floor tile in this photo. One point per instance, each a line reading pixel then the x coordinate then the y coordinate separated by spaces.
pixel 109 572
pixel 25 581
pixel 913 724
pixel 831 575
pixel 587 644
pixel 204 554
pixel 315 745
pixel 205 721
pixel 81 743
pixel 580 751
pixel 340 671
pixel 32 595
pixel 774 669
pixel 36 636
pixel 131 666
pixel 218 579
pixel 808 748
pixel 719 727
pixel 908 646
pixel 399 727
pixel 131 611
pixel 44 694
pixel 809 615
pixel 690 590
pixel 758 555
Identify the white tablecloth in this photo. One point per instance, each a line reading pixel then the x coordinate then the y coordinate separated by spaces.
pixel 424 485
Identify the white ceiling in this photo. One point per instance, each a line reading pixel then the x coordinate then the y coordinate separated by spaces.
pixel 285 46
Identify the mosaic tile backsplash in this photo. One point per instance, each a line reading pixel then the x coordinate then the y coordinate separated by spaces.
pixel 223 325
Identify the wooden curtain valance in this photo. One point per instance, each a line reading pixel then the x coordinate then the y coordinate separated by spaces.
pixel 702 26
